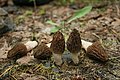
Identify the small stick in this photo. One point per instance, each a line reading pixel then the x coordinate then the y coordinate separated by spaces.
pixel 6 71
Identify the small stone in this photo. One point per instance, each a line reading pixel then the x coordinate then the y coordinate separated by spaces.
pixel 5 2
pixel 6 24
pixel 11 9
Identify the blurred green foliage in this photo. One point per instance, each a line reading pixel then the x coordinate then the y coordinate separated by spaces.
pixel 78 14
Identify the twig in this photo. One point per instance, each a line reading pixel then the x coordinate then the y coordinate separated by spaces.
pixel 13 77
pixel 114 58
pixel 116 34
pixel 118 11
pixel 113 73
pixel 96 35
pixel 6 71
pixel 34 15
pixel 37 67
pixel 99 39
pixel 35 7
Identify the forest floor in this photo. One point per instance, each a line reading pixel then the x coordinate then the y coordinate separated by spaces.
pixel 102 23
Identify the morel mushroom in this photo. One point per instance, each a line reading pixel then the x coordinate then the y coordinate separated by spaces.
pixel 97 51
pixel 58 47
pixel 42 52
pixel 74 45
pixel 20 49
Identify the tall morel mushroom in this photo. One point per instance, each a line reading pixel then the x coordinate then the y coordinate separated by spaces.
pixel 42 52
pixel 74 45
pixel 58 47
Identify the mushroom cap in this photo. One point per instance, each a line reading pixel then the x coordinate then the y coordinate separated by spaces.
pixel 18 51
pixel 42 52
pixel 58 43
pixel 97 51
pixel 74 42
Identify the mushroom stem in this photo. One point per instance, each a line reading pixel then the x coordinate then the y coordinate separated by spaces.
pixel 30 45
pixel 75 57
pixel 57 59
pixel 48 44
pixel 86 44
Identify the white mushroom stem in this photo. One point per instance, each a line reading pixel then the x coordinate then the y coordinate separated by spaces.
pixel 30 45
pixel 48 44
pixel 57 59
pixel 86 44
pixel 75 57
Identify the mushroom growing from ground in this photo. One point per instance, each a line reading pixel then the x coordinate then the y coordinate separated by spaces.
pixel 74 45
pixel 42 52
pixel 20 49
pixel 97 51
pixel 57 47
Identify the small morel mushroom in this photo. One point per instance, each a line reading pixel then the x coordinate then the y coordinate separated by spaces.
pixel 20 49
pixel 42 52
pixel 58 47
pixel 97 51
pixel 74 45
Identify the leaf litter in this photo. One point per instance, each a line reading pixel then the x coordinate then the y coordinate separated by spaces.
pixel 105 26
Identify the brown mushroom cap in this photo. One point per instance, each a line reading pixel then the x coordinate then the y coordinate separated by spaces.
pixel 58 43
pixel 42 52
pixel 97 51
pixel 74 42
pixel 18 51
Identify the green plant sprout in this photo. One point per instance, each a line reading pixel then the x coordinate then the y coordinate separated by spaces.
pixel 64 2
pixel 78 14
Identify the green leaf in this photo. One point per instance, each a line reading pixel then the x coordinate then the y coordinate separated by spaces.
pixel 28 12
pixel 72 1
pixel 42 11
pixel 55 29
pixel 80 13
pixel 52 23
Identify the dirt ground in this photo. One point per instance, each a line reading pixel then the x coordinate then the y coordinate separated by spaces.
pixel 102 23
